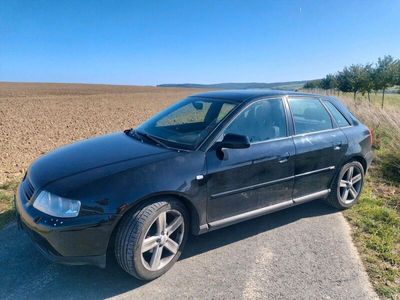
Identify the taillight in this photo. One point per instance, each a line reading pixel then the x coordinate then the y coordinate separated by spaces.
pixel 371 136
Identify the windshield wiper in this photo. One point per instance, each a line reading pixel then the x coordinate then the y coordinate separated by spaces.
pixel 152 138
pixel 132 133
pixel 140 135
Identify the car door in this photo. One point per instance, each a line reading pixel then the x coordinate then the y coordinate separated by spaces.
pixel 256 177
pixel 320 146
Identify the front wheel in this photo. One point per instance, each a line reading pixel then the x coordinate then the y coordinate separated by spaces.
pixel 150 240
pixel 347 186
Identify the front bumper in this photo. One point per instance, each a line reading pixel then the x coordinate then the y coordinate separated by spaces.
pixel 74 241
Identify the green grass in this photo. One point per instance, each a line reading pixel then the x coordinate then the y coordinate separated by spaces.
pixel 390 99
pixel 376 232
pixel 7 212
pixel 376 218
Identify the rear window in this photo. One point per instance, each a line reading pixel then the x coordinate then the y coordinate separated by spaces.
pixel 337 115
pixel 309 115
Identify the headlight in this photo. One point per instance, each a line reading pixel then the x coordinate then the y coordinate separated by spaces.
pixel 57 206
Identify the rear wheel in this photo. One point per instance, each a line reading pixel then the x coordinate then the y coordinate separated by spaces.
pixel 347 187
pixel 150 240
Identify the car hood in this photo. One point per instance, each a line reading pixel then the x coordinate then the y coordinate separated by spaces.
pixel 90 154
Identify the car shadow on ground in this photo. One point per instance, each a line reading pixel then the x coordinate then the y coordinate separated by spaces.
pixel 219 238
pixel 31 274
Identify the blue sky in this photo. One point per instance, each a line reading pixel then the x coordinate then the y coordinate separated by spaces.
pixel 204 41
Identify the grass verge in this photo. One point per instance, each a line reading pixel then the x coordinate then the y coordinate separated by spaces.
pixel 7 212
pixel 376 233
pixel 375 219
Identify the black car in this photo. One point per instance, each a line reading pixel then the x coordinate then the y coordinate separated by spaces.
pixel 210 160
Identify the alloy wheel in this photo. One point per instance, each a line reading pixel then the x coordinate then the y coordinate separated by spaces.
pixel 162 240
pixel 350 184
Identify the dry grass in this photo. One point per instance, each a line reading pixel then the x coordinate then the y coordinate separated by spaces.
pixel 384 122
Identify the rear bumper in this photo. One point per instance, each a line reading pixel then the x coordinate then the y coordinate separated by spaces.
pixel 73 241
pixel 369 156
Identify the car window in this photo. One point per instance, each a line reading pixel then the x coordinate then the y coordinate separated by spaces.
pixel 337 115
pixel 225 109
pixel 261 121
pixel 194 112
pixel 309 115
pixel 187 123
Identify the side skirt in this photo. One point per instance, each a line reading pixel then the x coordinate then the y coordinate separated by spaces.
pixel 313 196
pixel 266 210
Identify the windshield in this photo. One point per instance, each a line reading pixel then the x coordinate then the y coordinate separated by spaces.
pixel 187 123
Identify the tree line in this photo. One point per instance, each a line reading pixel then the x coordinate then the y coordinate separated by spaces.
pixel 364 79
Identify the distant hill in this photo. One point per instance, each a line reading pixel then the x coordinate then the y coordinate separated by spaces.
pixel 290 85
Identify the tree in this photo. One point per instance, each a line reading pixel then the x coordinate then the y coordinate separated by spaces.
pixel 367 80
pixel 385 74
pixel 397 67
pixel 343 80
pixel 309 85
pixel 313 84
pixel 362 78
pixel 350 79
pixel 328 82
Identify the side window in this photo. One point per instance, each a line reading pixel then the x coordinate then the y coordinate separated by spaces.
pixel 261 121
pixel 225 109
pixel 337 115
pixel 309 115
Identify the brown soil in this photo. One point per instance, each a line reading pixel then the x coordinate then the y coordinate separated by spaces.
pixel 36 118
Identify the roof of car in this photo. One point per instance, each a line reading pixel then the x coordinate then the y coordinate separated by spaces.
pixel 248 95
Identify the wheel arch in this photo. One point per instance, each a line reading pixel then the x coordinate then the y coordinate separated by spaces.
pixel 333 198
pixel 358 158
pixel 193 212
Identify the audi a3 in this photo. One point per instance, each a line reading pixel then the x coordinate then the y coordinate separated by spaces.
pixel 206 162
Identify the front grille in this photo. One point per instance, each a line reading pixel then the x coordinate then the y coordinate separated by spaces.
pixel 27 188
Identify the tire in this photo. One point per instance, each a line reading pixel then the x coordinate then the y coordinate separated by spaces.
pixel 156 223
pixel 350 181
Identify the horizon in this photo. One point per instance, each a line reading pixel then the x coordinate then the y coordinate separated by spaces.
pixel 153 43
pixel 155 85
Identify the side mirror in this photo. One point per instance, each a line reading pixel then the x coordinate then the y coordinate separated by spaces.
pixel 234 141
pixel 198 105
pixel 231 141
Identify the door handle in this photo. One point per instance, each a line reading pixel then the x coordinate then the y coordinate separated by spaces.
pixel 284 158
pixel 337 146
